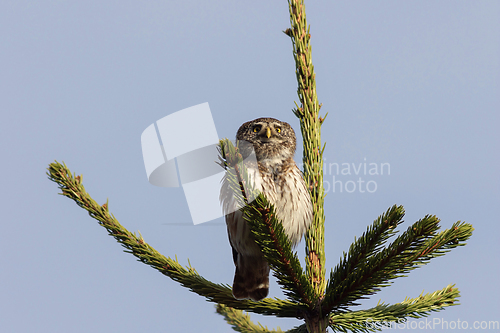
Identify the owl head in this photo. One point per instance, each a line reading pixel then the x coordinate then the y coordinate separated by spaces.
pixel 271 139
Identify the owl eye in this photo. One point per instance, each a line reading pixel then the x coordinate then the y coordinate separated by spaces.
pixel 257 128
pixel 278 129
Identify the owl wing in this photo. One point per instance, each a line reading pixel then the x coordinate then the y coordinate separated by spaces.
pixel 251 278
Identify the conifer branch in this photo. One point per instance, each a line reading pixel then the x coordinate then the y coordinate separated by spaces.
pixel 236 177
pixel 364 247
pixel 310 126
pixel 383 315
pixel 241 322
pixel 276 247
pixel 72 187
pixel 299 329
pixel 414 248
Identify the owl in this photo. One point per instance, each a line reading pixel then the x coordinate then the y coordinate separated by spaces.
pixel 282 183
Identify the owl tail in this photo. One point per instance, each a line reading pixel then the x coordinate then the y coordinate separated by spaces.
pixel 251 279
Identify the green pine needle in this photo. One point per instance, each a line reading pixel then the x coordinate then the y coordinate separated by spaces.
pixel 241 322
pixel 384 315
pixel 414 248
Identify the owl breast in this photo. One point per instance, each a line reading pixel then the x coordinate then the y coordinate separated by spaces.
pixel 285 188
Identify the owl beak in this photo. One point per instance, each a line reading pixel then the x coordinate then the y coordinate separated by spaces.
pixel 268 132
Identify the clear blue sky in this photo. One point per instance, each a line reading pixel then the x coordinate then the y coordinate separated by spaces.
pixel 412 84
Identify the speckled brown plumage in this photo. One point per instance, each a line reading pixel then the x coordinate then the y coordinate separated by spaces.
pixel 281 181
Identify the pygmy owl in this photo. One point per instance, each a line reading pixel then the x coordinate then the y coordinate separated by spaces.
pixel 282 183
